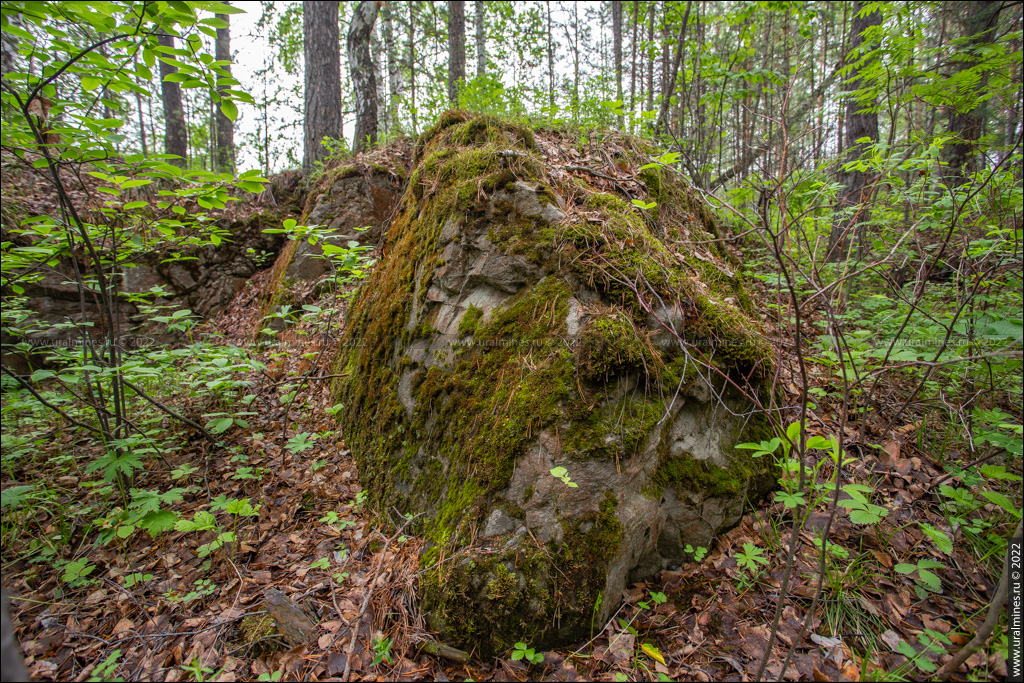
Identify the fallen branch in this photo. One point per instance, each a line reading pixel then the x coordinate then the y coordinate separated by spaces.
pixel 995 608
pixel 445 651
pixel 49 405
pixel 176 416
pixel 366 600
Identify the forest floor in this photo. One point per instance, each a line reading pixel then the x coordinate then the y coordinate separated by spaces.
pixel 192 618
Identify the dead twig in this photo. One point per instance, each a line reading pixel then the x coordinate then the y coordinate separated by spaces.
pixel 995 608
pixel 369 594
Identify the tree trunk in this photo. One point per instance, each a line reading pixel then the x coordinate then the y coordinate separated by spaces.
pixel 551 62
pixel 481 39
pixel 617 56
pixel 632 64
pixel 225 126
pixel 978 26
pixel 394 71
pixel 364 82
pixel 175 131
pixel 650 57
pixel 322 58
pixel 672 72
pixel 412 65
pixel 377 57
pixel 456 49
pixel 861 122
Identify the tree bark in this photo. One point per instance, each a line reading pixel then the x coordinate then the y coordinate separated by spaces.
pixel 481 39
pixel 456 49
pixel 551 61
pixel 650 57
pixel 175 131
pixel 322 58
pixel 861 122
pixel 364 81
pixel 225 126
pixel 978 26
pixel 617 56
pixel 394 71
pixel 412 65
pixel 672 74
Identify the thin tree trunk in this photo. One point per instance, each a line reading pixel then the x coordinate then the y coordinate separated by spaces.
pixel 142 119
pixel 650 57
pixel 322 58
pixel 456 49
pixel 225 126
pixel 978 26
pixel 364 82
pixel 617 56
pixel 175 130
pixel 861 122
pixel 632 64
pixel 551 62
pixel 376 56
pixel 481 39
pixel 412 65
pixel 394 71
pixel 672 75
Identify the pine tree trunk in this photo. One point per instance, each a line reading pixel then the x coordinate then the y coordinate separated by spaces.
pixel 364 81
pixel 322 55
pixel 617 55
pixel 456 49
pixel 650 57
pixel 175 132
pixel 481 39
pixel 225 126
pixel 861 122
pixel 978 26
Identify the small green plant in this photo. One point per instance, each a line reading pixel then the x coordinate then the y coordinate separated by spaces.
pixel 926 581
pixel 750 559
pixel 76 573
pixel 698 553
pixel 322 563
pixel 267 676
pixel 106 670
pixel 301 442
pixel 382 650
pixel 522 651
pixel 197 671
pixel 862 510
pixel 563 474
pixel 933 641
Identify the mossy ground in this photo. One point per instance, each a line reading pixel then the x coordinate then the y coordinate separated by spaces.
pixel 476 416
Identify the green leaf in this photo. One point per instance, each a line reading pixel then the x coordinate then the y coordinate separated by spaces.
pixel 1002 501
pixel 229 109
pixel 222 425
pixel 942 541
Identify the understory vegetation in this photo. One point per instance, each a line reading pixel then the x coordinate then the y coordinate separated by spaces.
pixel 180 405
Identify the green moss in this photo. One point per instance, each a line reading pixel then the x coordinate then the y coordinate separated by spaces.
pixel 493 601
pixel 755 476
pixel 467 326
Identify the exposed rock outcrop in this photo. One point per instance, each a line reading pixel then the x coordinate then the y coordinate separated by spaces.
pixel 520 321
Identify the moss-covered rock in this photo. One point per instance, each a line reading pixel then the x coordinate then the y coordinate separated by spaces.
pixel 515 324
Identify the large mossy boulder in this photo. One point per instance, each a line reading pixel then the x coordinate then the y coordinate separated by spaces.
pixel 520 321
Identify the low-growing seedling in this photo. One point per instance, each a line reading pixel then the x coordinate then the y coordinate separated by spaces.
pixel 522 651
pixel 925 580
pixel 563 474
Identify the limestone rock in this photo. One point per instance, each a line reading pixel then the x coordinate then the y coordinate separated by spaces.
pixel 520 322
